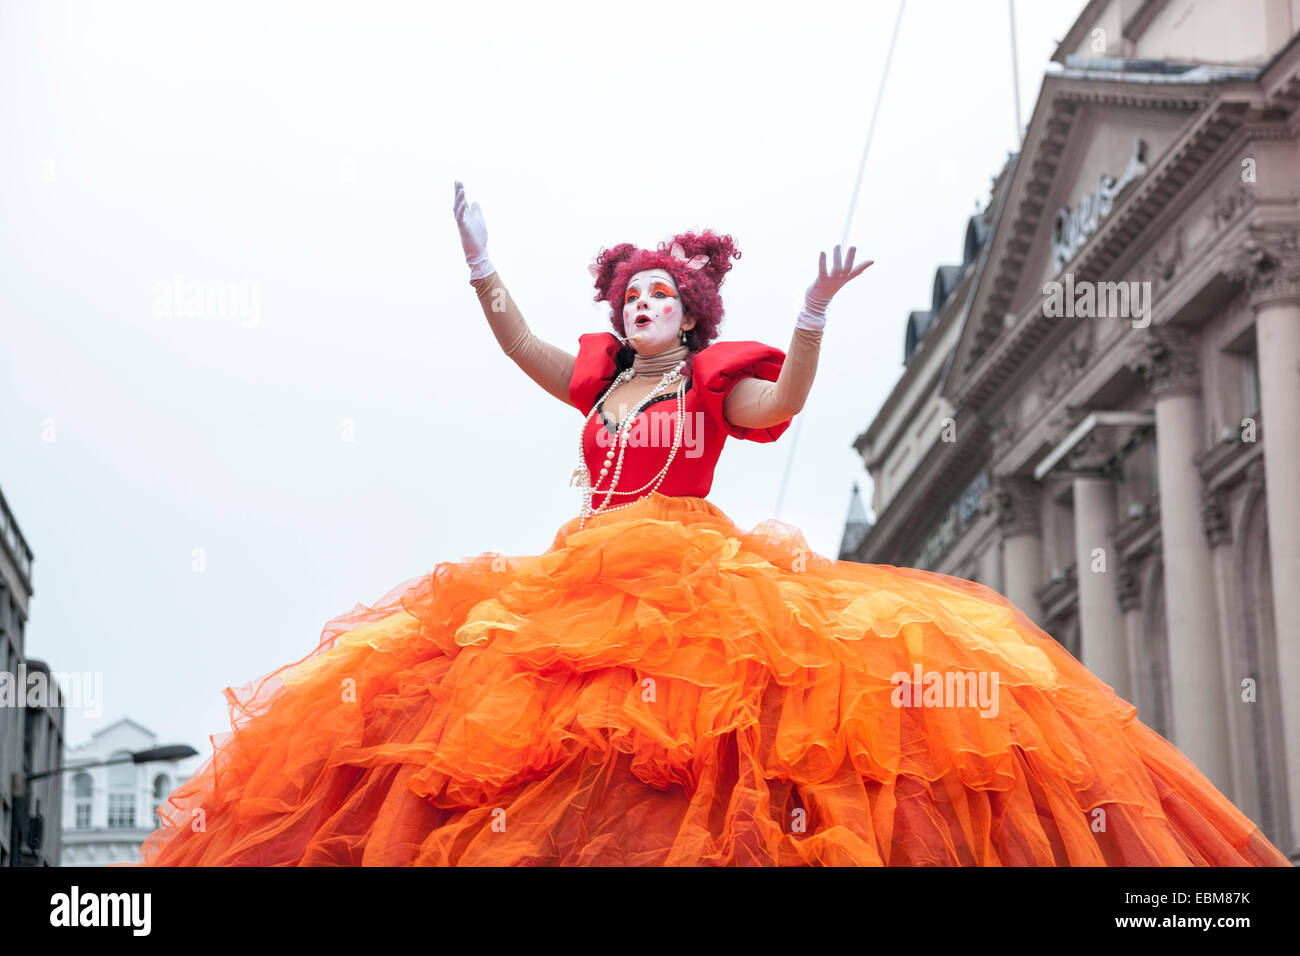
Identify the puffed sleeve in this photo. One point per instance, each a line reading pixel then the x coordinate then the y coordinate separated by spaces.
pixel 593 369
pixel 716 370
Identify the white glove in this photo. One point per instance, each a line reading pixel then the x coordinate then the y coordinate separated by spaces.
pixel 824 287
pixel 473 236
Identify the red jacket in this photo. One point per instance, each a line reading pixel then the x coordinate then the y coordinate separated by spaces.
pixel 714 371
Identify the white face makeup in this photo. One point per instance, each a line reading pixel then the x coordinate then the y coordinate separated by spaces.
pixel 652 312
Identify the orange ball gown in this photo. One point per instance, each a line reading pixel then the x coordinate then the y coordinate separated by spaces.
pixel 661 687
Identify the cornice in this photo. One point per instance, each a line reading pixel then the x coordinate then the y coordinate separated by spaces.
pixel 1224 465
pixel 937 478
pixel 989 369
pixel 1280 79
pixel 1143 17
pixel 1079 29
pixel 891 407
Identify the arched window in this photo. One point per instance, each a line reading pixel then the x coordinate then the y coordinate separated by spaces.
pixel 83 788
pixel 121 793
pixel 162 787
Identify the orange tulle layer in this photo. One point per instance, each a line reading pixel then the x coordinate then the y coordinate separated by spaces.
pixel 662 688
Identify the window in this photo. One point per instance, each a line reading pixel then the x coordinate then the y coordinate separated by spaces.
pixel 121 810
pixel 84 789
pixel 162 786
pixel 1250 380
pixel 29 725
pixel 121 792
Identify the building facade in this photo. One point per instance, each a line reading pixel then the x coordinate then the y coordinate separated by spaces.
pixel 110 810
pixel 1103 397
pixel 31 718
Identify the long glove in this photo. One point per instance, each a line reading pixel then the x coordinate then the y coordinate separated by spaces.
pixel 824 287
pixel 756 403
pixel 473 235
pixel 547 365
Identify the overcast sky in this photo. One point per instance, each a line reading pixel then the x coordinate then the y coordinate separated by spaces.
pixel 354 423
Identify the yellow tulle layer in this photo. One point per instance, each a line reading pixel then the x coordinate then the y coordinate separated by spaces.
pixel 662 688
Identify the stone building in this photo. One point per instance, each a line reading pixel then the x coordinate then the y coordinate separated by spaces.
pixel 1099 414
pixel 31 718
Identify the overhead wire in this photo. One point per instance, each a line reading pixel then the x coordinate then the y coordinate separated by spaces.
pixel 848 221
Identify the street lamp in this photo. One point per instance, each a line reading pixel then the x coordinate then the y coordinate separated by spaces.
pixel 28 831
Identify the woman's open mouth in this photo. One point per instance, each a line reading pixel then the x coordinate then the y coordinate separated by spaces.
pixel 642 321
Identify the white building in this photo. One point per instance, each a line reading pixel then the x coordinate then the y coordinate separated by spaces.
pixel 109 811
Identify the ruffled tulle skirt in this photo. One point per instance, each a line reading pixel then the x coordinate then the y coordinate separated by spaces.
pixel 662 688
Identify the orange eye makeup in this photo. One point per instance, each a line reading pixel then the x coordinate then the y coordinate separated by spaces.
pixel 655 288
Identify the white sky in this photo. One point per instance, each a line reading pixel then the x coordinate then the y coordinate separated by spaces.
pixel 309 150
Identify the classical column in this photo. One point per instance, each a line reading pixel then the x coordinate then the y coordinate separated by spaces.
pixel 1218 532
pixel 1268 261
pixel 1166 359
pixel 1102 643
pixel 990 568
pixel 1129 594
pixel 1019 509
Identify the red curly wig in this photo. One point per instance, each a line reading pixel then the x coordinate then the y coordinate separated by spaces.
pixel 697 288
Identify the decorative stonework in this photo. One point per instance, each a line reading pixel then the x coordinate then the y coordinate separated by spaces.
pixel 1165 358
pixel 1059 423
pixel 1005 431
pixel 1018 501
pixel 1212 119
pixel 1163 265
pixel 1268 262
pixel 1128 589
pixel 1227 203
pixel 1074 224
pixel 1067 364
pixel 1097 452
pixel 1217 528
pixel 1001 439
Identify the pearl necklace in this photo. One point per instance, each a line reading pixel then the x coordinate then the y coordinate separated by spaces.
pixel 582 476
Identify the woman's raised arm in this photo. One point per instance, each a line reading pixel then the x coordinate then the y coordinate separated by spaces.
pixel 758 403
pixel 755 403
pixel 548 366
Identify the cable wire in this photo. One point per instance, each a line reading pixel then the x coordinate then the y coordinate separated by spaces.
pixel 848 221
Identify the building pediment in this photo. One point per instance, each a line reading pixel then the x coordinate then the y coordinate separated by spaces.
pixel 1097 144
pixel 122 734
